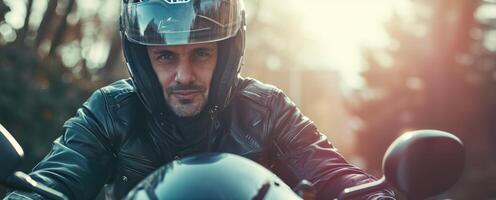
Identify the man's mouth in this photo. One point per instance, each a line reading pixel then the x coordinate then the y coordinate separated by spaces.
pixel 185 94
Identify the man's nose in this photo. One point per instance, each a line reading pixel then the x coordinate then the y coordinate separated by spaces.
pixel 185 73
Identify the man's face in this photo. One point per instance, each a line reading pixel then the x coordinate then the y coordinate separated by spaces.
pixel 185 73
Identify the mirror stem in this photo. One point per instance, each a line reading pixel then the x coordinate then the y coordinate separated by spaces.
pixel 22 181
pixel 348 193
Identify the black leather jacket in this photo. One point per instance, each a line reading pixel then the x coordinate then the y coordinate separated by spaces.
pixel 112 141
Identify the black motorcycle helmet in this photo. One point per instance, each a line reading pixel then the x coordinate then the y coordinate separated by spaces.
pixel 212 176
pixel 182 22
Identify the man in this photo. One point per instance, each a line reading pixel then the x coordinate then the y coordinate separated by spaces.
pixel 186 97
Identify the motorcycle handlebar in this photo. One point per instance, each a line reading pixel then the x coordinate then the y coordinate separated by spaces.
pixel 22 181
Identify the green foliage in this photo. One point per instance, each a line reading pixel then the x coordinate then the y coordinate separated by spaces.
pixel 36 98
pixel 48 69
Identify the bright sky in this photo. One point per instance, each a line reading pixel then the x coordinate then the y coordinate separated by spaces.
pixel 342 27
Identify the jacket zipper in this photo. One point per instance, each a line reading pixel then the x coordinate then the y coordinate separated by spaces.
pixel 214 125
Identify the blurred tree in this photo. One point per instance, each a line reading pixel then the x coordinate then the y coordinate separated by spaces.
pixel 435 75
pixel 53 53
pixel 275 38
pixel 3 9
pixel 35 100
pixel 280 51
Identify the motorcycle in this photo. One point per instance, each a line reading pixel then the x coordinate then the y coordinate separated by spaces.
pixel 419 164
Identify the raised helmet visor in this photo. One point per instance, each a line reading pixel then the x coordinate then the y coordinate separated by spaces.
pixel 179 22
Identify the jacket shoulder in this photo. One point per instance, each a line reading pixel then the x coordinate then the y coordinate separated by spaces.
pixel 109 97
pixel 119 91
pixel 115 105
pixel 256 91
pixel 123 102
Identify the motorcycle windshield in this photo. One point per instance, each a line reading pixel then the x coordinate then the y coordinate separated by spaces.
pixel 178 22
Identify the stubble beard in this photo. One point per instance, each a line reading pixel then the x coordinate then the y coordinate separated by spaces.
pixel 186 107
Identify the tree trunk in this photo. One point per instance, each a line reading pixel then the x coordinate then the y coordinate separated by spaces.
pixel 113 58
pixel 23 32
pixel 46 22
pixel 59 32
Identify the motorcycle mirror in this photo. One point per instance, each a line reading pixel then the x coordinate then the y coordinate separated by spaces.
pixel 424 163
pixel 11 154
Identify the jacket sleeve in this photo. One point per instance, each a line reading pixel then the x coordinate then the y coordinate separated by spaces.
pixel 302 152
pixel 79 162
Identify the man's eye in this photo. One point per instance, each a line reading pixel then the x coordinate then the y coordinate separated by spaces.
pixel 166 56
pixel 202 53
